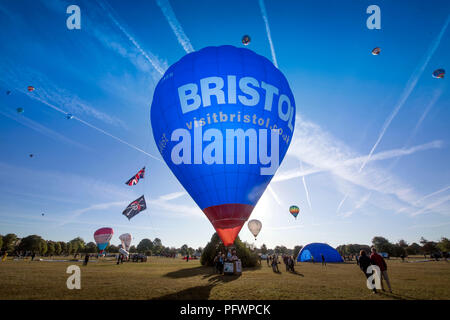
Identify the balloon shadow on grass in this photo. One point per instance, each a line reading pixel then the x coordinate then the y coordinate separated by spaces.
pixel 194 293
pixel 191 272
pixel 216 278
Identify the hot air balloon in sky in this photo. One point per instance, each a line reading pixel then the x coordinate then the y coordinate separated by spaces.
pixel 30 88
pixel 294 210
pixel 126 241
pixel 102 237
pixel 439 73
pixel 223 119
pixel 246 40
pixel 20 110
pixel 376 51
pixel 255 227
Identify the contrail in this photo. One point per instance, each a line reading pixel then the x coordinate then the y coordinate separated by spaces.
pixel 306 188
pixel 412 82
pixel 266 21
pixel 168 12
pixel 274 195
pixel 394 153
pixel 418 124
pixel 43 130
pixel 94 127
pixel 153 62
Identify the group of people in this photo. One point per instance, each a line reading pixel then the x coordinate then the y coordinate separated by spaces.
pixel 221 258
pixel 375 259
pixel 274 262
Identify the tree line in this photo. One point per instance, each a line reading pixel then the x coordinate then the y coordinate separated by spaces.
pixel 12 244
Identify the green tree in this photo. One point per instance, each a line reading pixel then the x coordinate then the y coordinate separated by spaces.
pixel 32 243
pixel 42 247
pixel 51 250
pixel 90 247
pixel 184 249
pixel 145 245
pixel 133 249
pixel 297 250
pixel 63 246
pixel 157 246
pixel 444 244
pixel 248 258
pixel 58 248
pixel 264 249
pixel 1 241
pixel 382 245
pixel 9 242
pixel 414 249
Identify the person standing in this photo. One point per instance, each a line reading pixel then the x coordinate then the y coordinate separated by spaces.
pixel 32 256
pixel 378 260
pixel 187 257
pixel 323 260
pixel 86 259
pixel 285 260
pixel 364 263
pixel 275 264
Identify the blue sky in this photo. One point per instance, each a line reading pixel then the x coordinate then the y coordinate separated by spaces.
pixel 370 152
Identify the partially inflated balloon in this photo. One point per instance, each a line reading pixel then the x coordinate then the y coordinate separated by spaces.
pixel 223 118
pixel 102 237
pixel 255 227
pixel 126 241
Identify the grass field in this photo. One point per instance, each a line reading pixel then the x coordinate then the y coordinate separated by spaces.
pixel 166 278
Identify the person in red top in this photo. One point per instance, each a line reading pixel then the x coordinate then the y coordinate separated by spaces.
pixel 378 260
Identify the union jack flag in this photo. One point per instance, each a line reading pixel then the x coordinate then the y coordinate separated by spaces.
pixel 135 179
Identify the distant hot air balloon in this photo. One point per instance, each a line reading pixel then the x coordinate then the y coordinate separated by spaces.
pixel 43 214
pixel 246 40
pixel 31 155
pixel 216 116
pixel 30 88
pixel 294 210
pixel 8 92
pixel 439 73
pixel 69 116
pixel 126 241
pixel 255 227
pixel 376 51
pixel 20 110
pixel 102 237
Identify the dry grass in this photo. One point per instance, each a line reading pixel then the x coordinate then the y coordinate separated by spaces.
pixel 165 278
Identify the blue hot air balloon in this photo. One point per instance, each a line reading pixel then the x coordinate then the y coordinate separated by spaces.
pixel 223 119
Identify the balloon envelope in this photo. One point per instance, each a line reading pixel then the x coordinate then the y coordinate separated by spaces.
pixel 255 227
pixel 294 210
pixel 439 73
pixel 245 40
pixel 212 117
pixel 20 110
pixel 102 237
pixel 30 88
pixel 126 241
pixel 376 51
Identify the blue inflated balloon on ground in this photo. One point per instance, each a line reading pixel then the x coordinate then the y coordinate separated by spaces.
pixel 223 119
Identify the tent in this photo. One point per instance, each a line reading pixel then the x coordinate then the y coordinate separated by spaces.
pixel 316 250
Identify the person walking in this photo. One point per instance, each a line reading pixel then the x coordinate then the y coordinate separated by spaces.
pixel 32 256
pixel 323 260
pixel 378 260
pixel 364 263
pixel 285 260
pixel 268 260
pixel 86 259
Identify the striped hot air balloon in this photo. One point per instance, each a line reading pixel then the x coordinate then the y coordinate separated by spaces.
pixel 294 210
pixel 102 237
pixel 30 88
